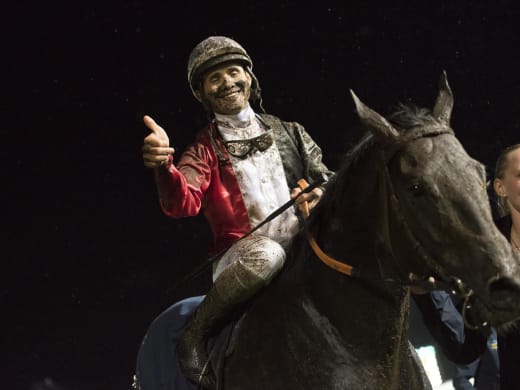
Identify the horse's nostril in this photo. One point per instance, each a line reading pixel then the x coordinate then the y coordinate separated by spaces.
pixel 503 292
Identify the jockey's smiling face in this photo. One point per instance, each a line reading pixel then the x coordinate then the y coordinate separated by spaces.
pixel 226 88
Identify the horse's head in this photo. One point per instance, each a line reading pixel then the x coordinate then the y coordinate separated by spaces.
pixel 439 207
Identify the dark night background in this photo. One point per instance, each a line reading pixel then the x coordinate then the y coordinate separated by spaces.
pixel 89 259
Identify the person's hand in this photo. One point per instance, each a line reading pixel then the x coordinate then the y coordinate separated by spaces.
pixel 311 197
pixel 156 147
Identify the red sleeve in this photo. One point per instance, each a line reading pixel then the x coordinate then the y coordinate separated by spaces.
pixel 181 188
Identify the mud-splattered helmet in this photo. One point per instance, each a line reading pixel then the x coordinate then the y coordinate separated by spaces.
pixel 214 51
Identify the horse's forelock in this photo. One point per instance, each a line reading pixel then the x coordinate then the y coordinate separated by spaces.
pixel 409 116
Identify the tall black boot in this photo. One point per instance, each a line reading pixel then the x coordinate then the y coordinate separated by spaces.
pixel 235 285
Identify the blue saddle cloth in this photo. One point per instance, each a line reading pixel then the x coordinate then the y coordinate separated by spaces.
pixel 157 367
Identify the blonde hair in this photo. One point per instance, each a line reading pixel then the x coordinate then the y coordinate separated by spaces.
pixel 500 168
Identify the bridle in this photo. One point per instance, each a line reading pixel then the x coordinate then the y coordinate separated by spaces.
pixel 391 204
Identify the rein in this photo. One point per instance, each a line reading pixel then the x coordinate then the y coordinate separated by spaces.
pixel 336 265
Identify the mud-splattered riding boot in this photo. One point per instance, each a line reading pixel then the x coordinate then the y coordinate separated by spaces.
pixel 234 285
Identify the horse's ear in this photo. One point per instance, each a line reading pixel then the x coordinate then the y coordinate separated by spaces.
pixel 444 102
pixel 376 123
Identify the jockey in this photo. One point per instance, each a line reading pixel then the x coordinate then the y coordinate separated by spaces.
pixel 240 168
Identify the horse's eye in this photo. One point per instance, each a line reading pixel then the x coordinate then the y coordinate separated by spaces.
pixel 415 189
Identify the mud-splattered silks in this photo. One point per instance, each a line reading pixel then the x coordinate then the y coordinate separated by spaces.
pixel 260 176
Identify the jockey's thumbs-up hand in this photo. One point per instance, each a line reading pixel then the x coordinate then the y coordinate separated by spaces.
pixel 156 147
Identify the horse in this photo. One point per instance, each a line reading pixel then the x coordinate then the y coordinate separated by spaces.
pixel 407 203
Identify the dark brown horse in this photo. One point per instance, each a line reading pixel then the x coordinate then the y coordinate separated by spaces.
pixel 407 201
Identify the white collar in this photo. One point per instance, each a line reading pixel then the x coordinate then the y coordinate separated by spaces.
pixel 243 119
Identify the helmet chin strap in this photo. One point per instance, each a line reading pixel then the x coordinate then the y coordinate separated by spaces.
pixel 256 90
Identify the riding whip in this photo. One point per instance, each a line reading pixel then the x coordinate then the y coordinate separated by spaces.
pixel 201 268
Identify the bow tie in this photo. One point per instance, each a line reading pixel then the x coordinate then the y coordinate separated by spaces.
pixel 242 147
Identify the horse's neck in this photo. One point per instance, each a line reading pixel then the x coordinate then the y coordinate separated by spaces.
pixel 341 320
pixel 366 312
